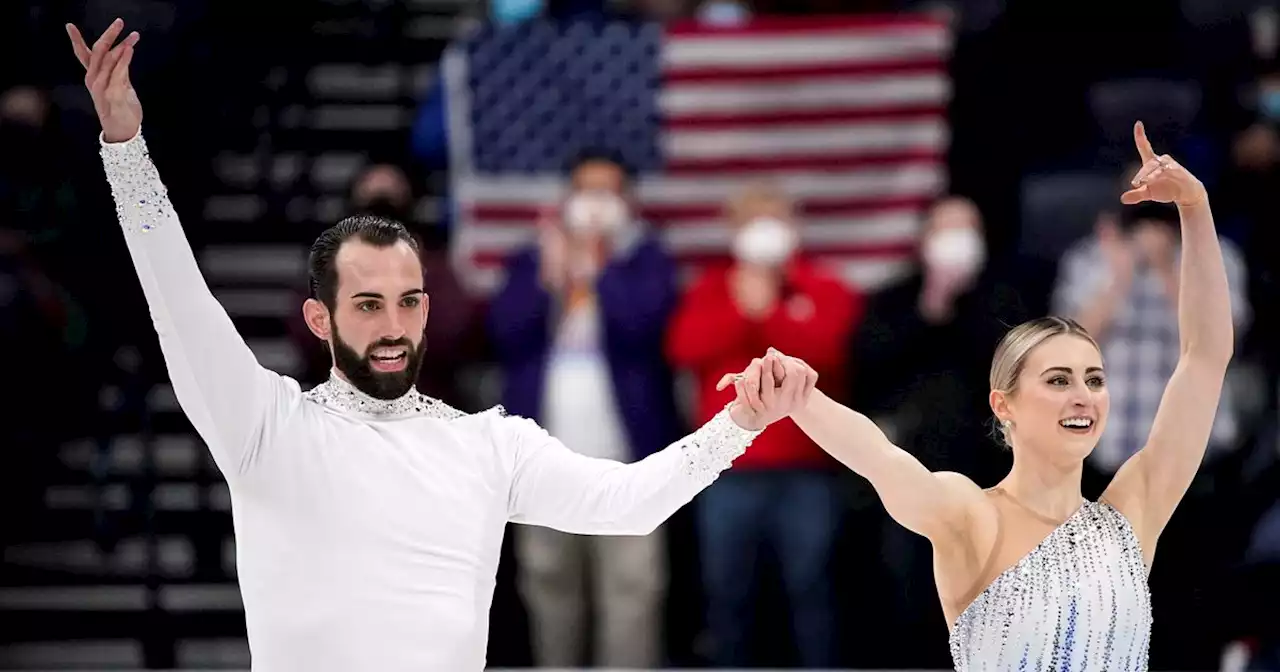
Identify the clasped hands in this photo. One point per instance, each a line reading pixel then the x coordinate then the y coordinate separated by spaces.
pixel 769 389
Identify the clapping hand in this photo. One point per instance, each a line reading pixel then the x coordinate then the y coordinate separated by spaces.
pixel 769 389
pixel 1161 179
pixel 107 78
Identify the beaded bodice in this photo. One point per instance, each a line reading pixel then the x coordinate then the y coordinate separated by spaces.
pixel 1078 601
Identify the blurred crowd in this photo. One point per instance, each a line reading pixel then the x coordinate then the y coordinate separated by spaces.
pixel 788 558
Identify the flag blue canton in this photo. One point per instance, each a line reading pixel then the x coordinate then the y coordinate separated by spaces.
pixel 541 93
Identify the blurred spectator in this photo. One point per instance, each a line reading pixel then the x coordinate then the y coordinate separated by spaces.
pixel 1121 285
pixel 782 497
pixel 578 330
pixel 932 400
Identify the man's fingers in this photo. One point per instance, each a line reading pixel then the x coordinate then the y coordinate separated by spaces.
pixel 806 379
pixel 109 36
pixel 741 397
pixel 751 386
pixel 101 49
pixel 768 394
pixel 794 388
pixel 120 72
pixel 779 366
pixel 78 45
pixel 1145 152
pixel 1135 196
pixel 105 70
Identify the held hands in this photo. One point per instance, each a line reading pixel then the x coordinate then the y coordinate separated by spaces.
pixel 769 389
pixel 1161 179
pixel 107 78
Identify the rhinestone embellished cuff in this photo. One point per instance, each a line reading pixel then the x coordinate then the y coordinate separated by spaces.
pixel 714 446
pixel 142 202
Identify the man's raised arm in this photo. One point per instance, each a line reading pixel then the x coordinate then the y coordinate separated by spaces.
pixel 221 387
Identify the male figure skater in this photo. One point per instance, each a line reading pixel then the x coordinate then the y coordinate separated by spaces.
pixel 370 517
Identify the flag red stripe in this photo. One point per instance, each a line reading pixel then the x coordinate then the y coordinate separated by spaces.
pixel 925 64
pixel 805 25
pixel 869 251
pixel 860 206
pixel 808 117
pixel 839 162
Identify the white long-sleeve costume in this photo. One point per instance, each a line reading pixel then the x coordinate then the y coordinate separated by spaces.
pixel 368 531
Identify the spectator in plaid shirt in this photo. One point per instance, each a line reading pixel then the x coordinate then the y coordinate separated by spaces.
pixel 1121 285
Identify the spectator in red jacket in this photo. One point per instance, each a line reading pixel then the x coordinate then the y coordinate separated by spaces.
pixel 782 495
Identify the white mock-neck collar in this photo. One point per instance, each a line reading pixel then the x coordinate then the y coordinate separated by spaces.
pixel 336 393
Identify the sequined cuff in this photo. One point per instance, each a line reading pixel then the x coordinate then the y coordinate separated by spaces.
pixel 714 446
pixel 142 202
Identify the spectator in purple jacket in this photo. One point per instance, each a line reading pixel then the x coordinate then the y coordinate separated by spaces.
pixel 578 330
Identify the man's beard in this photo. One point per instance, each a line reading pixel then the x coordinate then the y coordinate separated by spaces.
pixel 378 384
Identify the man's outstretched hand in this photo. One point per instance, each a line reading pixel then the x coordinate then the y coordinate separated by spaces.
pixel 107 78
pixel 769 389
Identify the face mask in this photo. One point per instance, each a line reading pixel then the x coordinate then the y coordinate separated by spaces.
pixel 1269 104
pixel 595 212
pixel 765 241
pixel 959 249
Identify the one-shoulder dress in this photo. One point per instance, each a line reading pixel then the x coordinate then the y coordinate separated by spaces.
pixel 1077 602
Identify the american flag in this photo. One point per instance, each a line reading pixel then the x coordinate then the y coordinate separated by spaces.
pixel 847 114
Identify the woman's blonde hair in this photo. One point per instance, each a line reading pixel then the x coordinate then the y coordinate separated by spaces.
pixel 757 198
pixel 1011 354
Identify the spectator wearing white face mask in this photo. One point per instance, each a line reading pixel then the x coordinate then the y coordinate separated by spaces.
pixel 578 329
pixel 921 360
pixel 782 498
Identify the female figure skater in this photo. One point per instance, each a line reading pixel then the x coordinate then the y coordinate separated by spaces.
pixel 1031 575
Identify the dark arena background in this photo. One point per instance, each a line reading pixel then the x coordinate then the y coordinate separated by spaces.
pixel 877 118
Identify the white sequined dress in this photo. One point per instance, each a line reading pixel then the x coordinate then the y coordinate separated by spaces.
pixel 1078 602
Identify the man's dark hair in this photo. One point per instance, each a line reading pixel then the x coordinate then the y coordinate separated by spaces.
pixel 371 229
pixel 600 155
